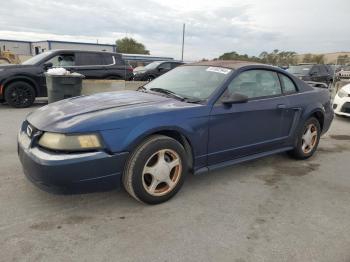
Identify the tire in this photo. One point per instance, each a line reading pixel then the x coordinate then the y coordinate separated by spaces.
pixel 306 144
pixel 19 94
pixel 156 170
pixel 150 78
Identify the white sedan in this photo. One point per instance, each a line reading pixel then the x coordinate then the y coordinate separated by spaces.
pixel 341 103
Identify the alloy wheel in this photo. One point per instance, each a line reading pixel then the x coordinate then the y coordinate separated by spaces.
pixel 309 138
pixel 162 172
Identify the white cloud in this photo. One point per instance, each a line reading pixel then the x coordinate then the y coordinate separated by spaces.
pixel 212 27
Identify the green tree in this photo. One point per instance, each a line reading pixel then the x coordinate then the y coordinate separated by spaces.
pixel 129 45
pixel 343 59
pixel 310 58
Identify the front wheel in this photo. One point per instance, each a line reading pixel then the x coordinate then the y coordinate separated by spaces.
pixel 156 170
pixel 307 140
pixel 19 94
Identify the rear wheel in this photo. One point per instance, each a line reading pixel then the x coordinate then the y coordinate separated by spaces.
pixel 19 94
pixel 307 140
pixel 156 170
pixel 150 78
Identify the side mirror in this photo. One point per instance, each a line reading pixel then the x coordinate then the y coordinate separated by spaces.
pixel 314 73
pixel 236 98
pixel 48 65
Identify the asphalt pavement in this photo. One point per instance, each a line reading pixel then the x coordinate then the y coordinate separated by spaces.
pixel 271 209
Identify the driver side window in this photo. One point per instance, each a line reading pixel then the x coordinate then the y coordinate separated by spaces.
pixel 165 66
pixel 62 60
pixel 254 84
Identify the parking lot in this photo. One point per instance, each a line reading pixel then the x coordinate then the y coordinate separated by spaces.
pixel 272 209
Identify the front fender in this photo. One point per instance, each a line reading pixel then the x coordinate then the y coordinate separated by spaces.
pixel 193 127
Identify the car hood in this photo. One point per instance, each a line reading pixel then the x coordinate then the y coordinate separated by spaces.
pixel 100 111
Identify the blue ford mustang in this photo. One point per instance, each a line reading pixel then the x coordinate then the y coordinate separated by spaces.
pixel 196 118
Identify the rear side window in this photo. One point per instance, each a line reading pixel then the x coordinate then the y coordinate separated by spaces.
pixel 173 65
pixel 107 59
pixel 255 83
pixel 119 60
pixel 86 59
pixel 287 85
pixel 166 66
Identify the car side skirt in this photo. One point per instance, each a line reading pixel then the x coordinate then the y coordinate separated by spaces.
pixel 240 160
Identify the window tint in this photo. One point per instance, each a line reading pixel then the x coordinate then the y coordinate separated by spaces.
pixel 315 70
pixel 288 85
pixel 108 59
pixel 323 70
pixel 62 60
pixel 166 66
pixel 173 65
pixel 255 83
pixel 119 60
pixel 89 59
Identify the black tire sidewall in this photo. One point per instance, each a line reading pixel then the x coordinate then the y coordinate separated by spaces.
pixel 143 156
pixel 9 89
pixel 299 153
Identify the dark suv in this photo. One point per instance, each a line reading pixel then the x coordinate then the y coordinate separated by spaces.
pixel 313 72
pixel 20 84
pixel 154 69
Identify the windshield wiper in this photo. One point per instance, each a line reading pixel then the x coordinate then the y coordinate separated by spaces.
pixel 167 92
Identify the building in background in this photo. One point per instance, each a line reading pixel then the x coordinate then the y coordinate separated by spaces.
pixel 27 49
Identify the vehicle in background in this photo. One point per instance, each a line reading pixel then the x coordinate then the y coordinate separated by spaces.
pixel 154 69
pixel 21 84
pixel 341 102
pixel 313 72
pixel 343 73
pixel 195 118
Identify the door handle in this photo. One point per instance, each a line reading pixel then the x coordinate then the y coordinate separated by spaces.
pixel 281 106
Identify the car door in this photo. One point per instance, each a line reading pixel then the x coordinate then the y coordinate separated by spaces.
pixel 89 64
pixel 248 128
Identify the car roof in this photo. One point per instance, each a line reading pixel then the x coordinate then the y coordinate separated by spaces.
pixel 232 64
pixel 81 51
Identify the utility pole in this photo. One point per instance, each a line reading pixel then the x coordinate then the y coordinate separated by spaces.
pixel 183 42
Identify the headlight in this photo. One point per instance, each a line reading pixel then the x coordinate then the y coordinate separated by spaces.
pixel 342 93
pixel 64 142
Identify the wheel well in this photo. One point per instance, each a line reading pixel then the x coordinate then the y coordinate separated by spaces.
pixel 319 116
pixel 182 140
pixel 21 80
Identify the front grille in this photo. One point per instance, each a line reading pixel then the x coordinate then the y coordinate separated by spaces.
pixel 346 108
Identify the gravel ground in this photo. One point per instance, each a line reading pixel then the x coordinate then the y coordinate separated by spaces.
pixel 272 209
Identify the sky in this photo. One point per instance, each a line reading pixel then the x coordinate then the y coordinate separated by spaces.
pixel 212 27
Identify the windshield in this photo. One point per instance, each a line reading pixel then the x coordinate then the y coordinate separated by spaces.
pixel 36 59
pixel 300 69
pixel 152 65
pixel 197 82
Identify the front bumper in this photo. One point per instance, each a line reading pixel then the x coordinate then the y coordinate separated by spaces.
pixel 341 105
pixel 70 173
